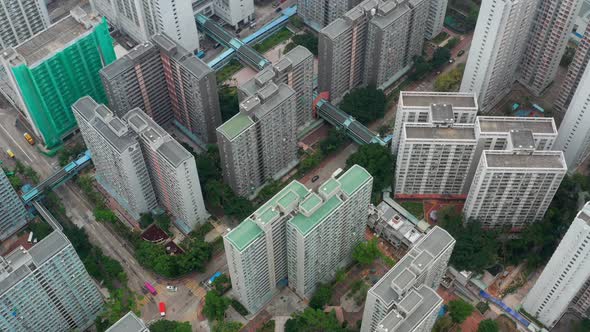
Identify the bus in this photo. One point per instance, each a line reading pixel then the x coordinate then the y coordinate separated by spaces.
pixel 150 288
pixel 162 309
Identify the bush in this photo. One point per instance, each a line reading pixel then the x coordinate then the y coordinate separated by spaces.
pixel 459 310
pixel 488 325
pixel 307 40
pixel 170 326
pixel 215 306
pixel 366 252
pixel 321 297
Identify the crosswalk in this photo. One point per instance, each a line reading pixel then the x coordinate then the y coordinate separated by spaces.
pixel 195 288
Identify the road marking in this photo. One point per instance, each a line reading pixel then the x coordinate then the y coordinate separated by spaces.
pixel 18 145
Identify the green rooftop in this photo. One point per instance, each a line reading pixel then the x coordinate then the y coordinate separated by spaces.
pixel 294 187
pixel 244 234
pixel 288 198
pixel 353 179
pixel 329 186
pixel 235 126
pixel 304 224
pixel 311 202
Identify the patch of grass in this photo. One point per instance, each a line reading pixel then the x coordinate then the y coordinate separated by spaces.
pixel 228 71
pixel 440 37
pixel 390 262
pixel 273 40
pixel 415 208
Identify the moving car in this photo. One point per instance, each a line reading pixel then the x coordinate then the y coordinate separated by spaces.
pixel 461 52
pixel 29 138
pixel 162 309
pixel 315 178
pixel 10 153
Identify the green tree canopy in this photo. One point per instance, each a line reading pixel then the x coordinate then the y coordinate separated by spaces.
pixel 488 325
pixel 229 104
pixel 215 306
pixel 321 297
pixel 364 104
pixel 443 325
pixel 450 81
pixel 459 310
pixel 378 161
pixel 313 320
pixel 441 56
pixel 227 327
pixel 453 42
pixel 366 252
pixel 170 326
pixel 307 40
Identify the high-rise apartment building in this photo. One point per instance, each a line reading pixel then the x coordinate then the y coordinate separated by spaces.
pixel 417 107
pixel 373 43
pixel 574 73
pixel 141 19
pixel 434 158
pixel 493 132
pixel 574 132
pixel 13 215
pixel 120 167
pixel 550 32
pixel 436 18
pixel 320 13
pixel 235 12
pixel 513 188
pixel 46 74
pixel 129 323
pixel 20 20
pixel 564 281
pixel 173 172
pixel 46 288
pixel 259 143
pixel 405 299
pixel 498 45
pixel 295 69
pixel 298 235
pixel 169 83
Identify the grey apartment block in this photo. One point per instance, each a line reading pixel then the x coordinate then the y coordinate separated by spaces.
pixel 129 323
pixel 405 299
pixel 295 69
pixel 513 188
pixel 117 157
pixel 418 107
pixel 169 83
pixel 46 288
pixel 319 13
pixel 20 20
pixel 434 158
pixel 13 215
pixel 574 73
pixel 373 43
pixel 259 143
pixel 172 170
pixel 436 18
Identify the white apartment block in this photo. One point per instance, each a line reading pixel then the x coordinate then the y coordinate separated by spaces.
pixel 574 132
pixel 434 159
pixel 173 172
pixel 498 45
pixel 493 132
pixel 513 188
pixel 235 12
pixel 418 107
pixel 436 18
pixel 141 19
pixel 405 299
pixel 117 157
pixel 566 275
pixel 259 143
pixel 20 20
pixel 279 244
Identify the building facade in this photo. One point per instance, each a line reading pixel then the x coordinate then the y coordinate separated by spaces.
pixel 574 131
pixel 513 188
pixel 235 12
pixel 394 224
pixel 566 275
pixel 20 20
pixel 574 73
pixel 434 159
pixel 141 19
pixel 13 215
pixel 552 25
pixel 320 13
pixel 279 244
pixel 436 18
pixel 46 74
pixel 120 167
pixel 259 143
pixel 499 42
pixel 170 84
pixel 173 172
pixel 373 43
pixel 46 288
pixel 405 298
pixel 417 107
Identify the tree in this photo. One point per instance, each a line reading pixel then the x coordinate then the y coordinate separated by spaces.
pixel 441 56
pixel 220 283
pixel 420 69
pixel 296 21
pixel 215 306
pixel 364 104
pixel 582 326
pixel 170 326
pixel 488 325
pixel 443 325
pixel 228 101
pixel 145 219
pixel 453 42
pixel 336 138
pixel 15 182
pixel 313 320
pixel 378 161
pixel 366 252
pixel 450 81
pixel 459 310
pixel 321 297
pixel 471 18
pixel 227 327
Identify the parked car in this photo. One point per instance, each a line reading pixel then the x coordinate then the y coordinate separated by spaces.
pixel 278 10
pixel 315 178
pixel 461 52
pixel 29 138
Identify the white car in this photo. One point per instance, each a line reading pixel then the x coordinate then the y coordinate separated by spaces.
pixel 172 288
